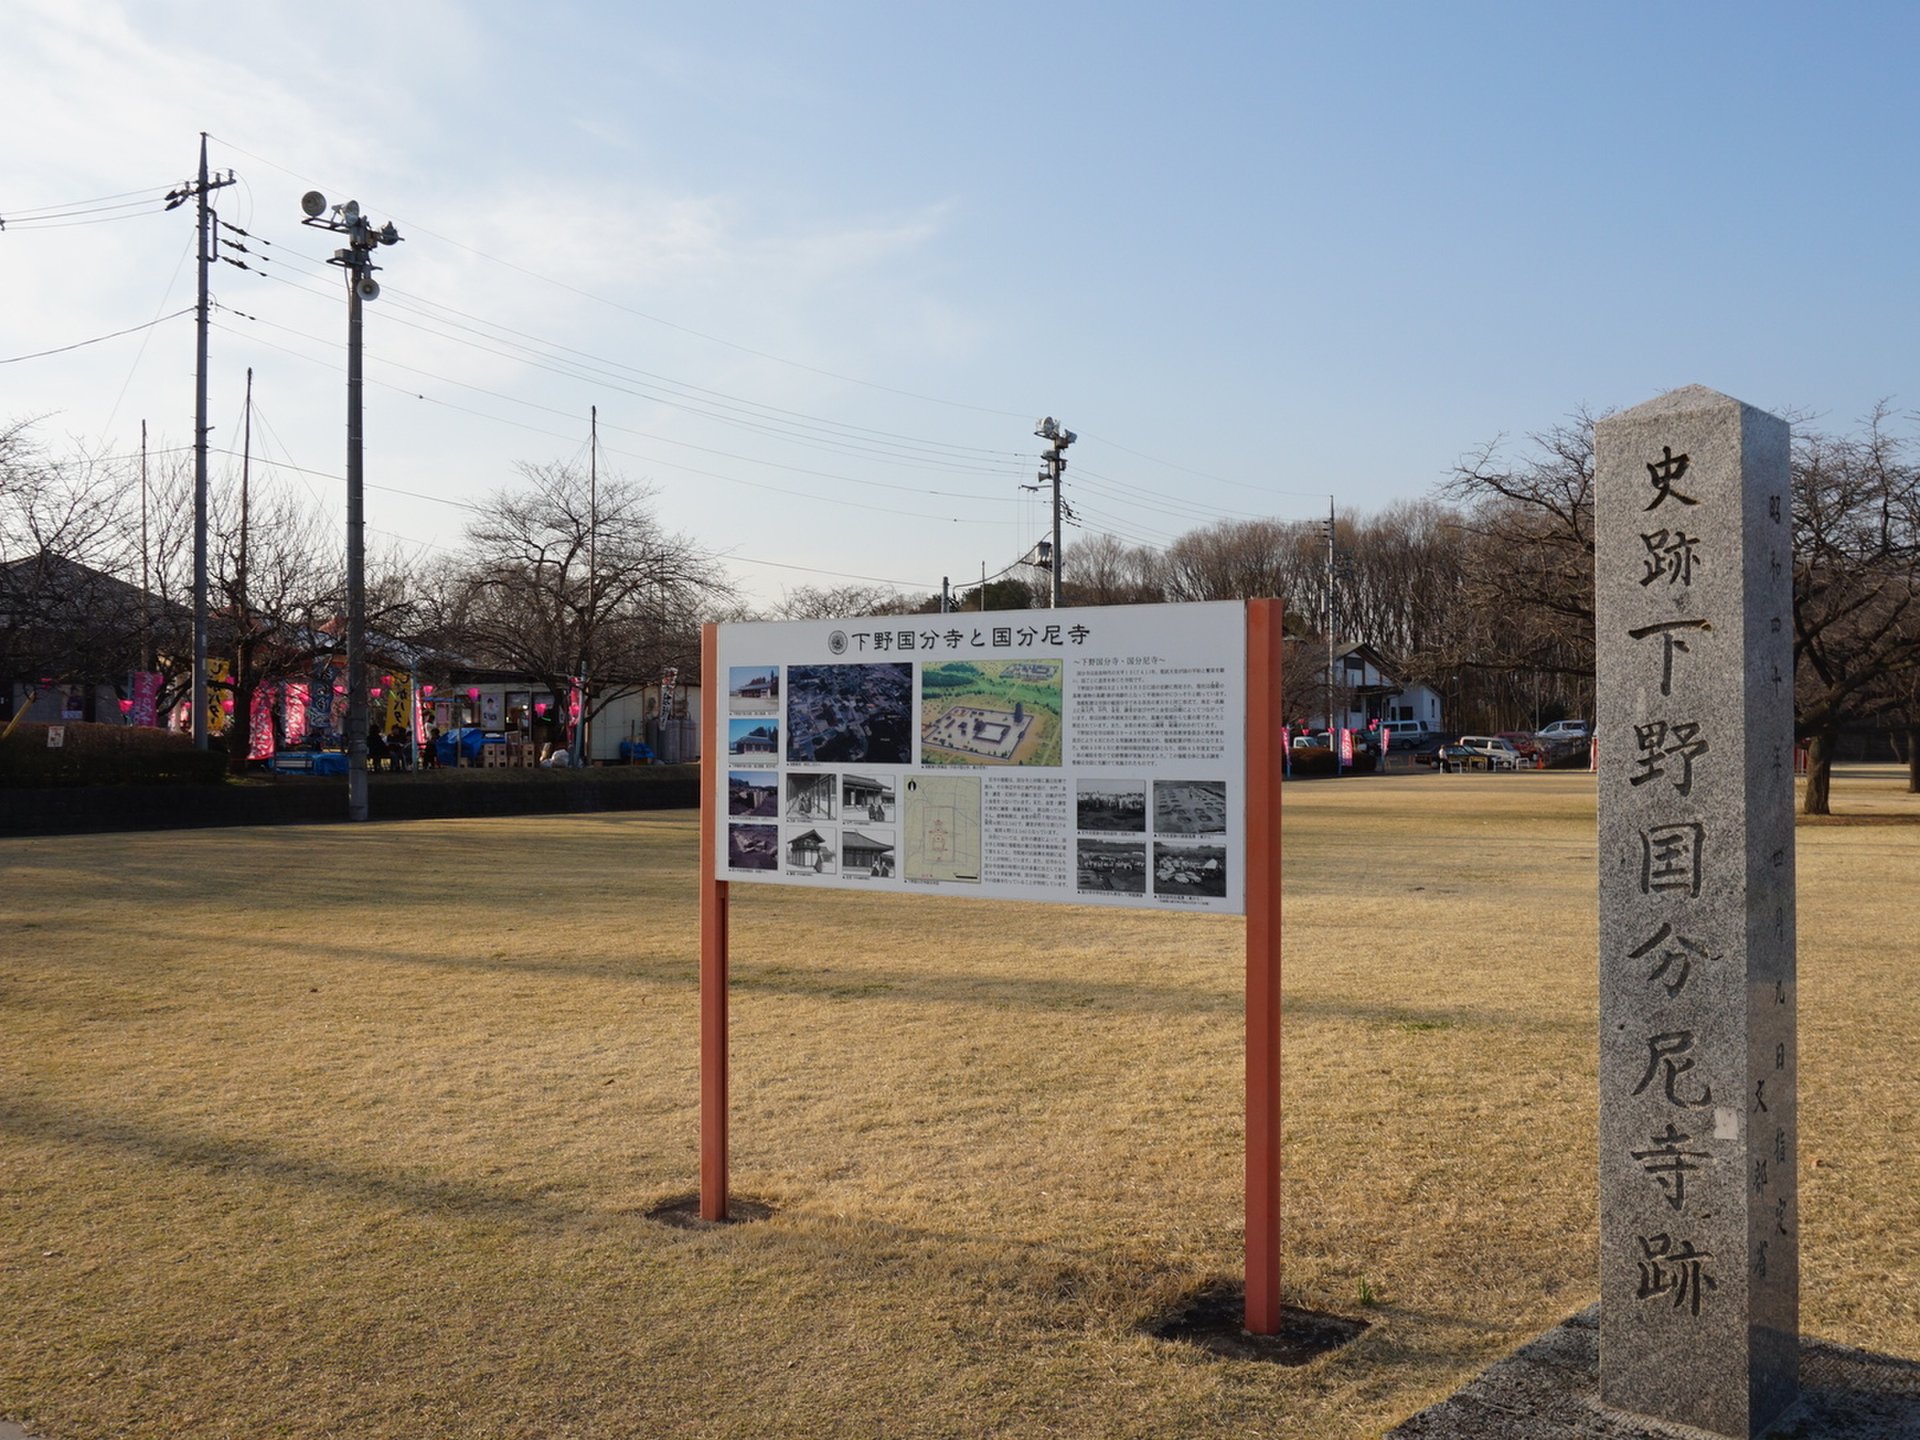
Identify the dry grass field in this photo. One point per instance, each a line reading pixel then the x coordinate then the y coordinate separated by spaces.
pixel 355 1132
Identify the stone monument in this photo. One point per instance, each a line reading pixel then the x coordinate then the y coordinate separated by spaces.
pixel 1699 1226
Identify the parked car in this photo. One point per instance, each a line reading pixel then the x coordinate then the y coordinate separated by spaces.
pixel 1407 734
pixel 1480 752
pixel 1565 730
pixel 1531 750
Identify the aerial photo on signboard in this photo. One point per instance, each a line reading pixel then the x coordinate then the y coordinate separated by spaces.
pixel 993 712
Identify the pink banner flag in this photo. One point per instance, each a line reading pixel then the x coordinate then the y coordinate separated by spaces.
pixel 1386 739
pixel 146 698
pixel 1346 748
pixel 294 712
pixel 260 724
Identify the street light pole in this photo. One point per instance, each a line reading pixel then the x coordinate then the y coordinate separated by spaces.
pixel 1053 461
pixel 356 260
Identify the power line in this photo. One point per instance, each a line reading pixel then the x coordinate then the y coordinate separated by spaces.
pixel 634 455
pixel 82 344
pixel 159 191
pixel 658 320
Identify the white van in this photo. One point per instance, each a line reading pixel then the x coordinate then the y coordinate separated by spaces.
pixel 1500 754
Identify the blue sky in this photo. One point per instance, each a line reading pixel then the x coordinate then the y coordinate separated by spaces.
pixel 831 262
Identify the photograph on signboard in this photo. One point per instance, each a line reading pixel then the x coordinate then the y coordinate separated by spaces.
pixel 1189 867
pixel 860 714
pixel 754 739
pixel 753 792
pixel 753 688
pixel 866 854
pixel 867 797
pixel 1189 807
pixel 942 824
pixel 1112 805
pixel 812 796
pixel 812 850
pixel 990 712
pixel 1111 867
pixel 753 847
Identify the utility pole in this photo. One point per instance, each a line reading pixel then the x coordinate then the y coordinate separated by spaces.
pixel 593 570
pixel 356 259
pixel 1053 461
pixel 946 596
pixel 1332 739
pixel 176 197
pixel 146 579
pixel 242 608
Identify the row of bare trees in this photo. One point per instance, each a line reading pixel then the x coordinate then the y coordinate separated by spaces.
pixel 1483 591
pixel 559 576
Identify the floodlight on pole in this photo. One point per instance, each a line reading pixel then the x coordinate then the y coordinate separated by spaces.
pixel 356 259
pixel 1053 463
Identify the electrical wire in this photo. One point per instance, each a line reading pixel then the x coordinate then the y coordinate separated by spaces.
pixel 113 335
pixel 159 191
pixel 655 319
pixel 647 459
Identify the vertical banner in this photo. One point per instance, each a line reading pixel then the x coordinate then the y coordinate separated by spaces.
pixel 320 698
pixel 1346 748
pixel 1386 741
pixel 260 723
pixel 294 712
pixel 146 697
pixel 490 712
pixel 419 720
pixel 573 709
pixel 1286 750
pixel 667 682
pixel 219 696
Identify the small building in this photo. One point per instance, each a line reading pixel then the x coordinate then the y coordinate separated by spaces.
pixel 1366 689
pixel 864 853
pixel 810 851
pixel 865 795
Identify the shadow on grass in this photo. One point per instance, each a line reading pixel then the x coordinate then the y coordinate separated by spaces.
pixel 259 1160
pixel 1554 1381
pixel 866 982
pixel 1212 1319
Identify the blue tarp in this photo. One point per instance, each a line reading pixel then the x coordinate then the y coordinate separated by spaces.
pixel 465 743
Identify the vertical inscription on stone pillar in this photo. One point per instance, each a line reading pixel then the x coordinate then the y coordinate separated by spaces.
pixel 1699 1277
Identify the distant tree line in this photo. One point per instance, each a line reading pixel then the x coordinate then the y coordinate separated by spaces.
pixel 1483 591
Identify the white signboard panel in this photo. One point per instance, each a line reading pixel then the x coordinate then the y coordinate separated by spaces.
pixel 1096 756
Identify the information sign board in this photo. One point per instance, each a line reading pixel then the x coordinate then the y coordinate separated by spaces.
pixel 1094 756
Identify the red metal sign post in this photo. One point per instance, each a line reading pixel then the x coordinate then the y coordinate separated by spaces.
pixel 713 945
pixel 1262 851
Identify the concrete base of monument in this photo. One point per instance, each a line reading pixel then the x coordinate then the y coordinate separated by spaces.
pixel 1213 1319
pixel 1549 1389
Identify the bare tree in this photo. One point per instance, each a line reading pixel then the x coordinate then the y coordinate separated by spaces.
pixel 1108 571
pixel 560 581
pixel 813 602
pixel 1856 584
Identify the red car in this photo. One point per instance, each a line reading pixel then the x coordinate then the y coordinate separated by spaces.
pixel 1531 750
